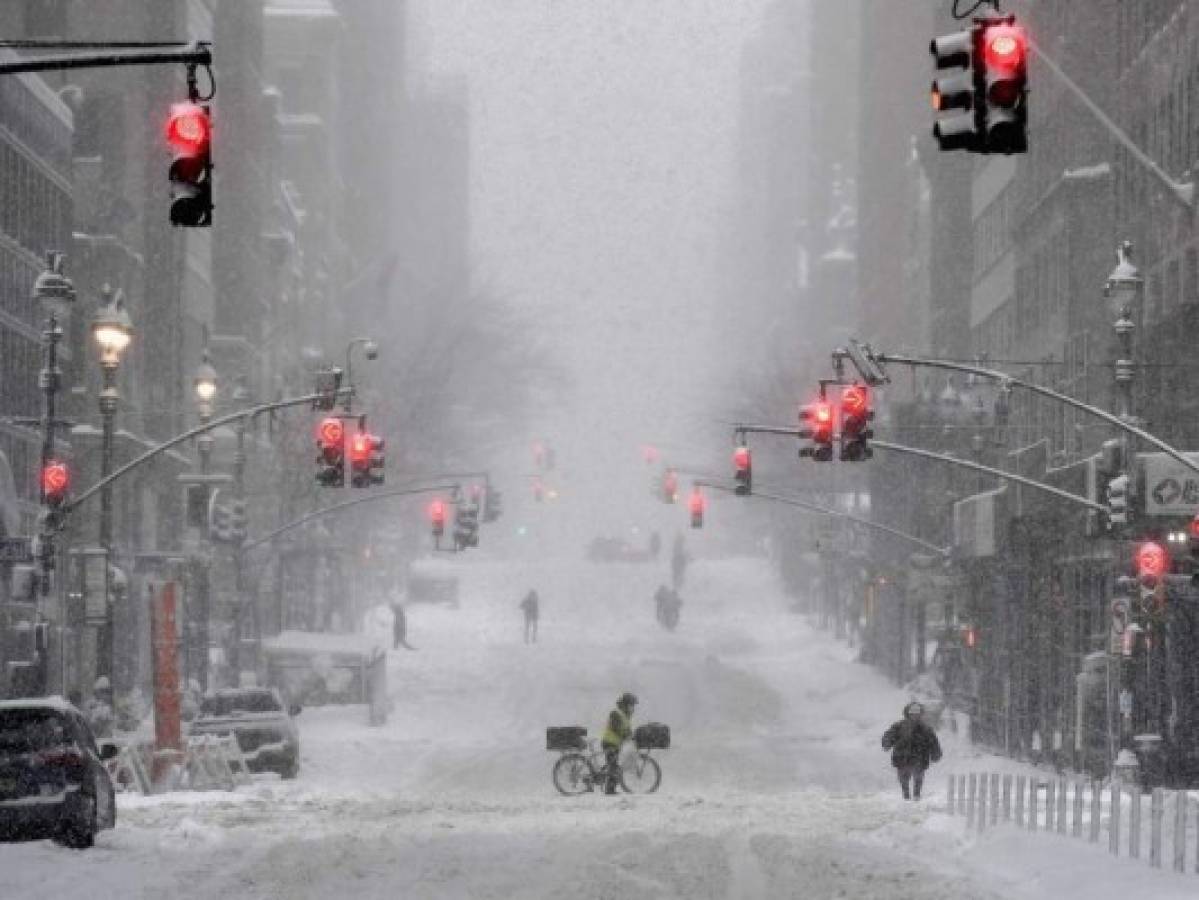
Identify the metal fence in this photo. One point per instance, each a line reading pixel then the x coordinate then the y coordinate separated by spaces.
pixel 1085 810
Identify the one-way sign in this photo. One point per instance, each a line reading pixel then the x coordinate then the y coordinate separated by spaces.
pixel 16 550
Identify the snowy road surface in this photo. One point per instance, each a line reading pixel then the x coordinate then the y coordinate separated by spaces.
pixel 776 788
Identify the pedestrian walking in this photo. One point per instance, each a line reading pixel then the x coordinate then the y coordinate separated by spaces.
pixel 531 607
pixel 913 747
pixel 399 628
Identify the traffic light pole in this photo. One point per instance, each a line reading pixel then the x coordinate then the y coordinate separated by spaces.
pixel 203 428
pixel 835 513
pixel 949 460
pixel 1010 380
pixel 195 54
pixel 338 507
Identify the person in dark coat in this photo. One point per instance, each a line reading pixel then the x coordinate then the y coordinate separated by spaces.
pixel 531 607
pixel 399 628
pixel 914 746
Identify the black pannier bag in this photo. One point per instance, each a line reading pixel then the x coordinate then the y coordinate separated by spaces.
pixel 652 736
pixel 568 737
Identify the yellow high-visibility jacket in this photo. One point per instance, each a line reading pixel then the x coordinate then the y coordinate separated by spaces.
pixel 619 730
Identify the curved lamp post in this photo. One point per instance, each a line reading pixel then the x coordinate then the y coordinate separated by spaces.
pixel 113 330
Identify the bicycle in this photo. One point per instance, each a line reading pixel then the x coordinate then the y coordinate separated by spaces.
pixel 577 772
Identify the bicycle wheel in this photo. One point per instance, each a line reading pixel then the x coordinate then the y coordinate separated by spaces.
pixel 572 774
pixel 641 776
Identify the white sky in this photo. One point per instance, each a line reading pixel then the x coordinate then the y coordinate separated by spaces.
pixel 603 141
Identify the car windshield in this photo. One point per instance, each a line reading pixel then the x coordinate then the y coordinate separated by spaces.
pixel 242 702
pixel 31 730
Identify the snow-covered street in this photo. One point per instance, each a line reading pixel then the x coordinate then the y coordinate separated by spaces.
pixel 776 786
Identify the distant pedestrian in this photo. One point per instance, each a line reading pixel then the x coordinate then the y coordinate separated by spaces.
pixel 399 628
pixel 531 607
pixel 913 747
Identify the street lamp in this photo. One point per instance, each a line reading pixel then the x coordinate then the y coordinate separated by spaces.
pixel 205 387
pixel 1124 290
pixel 113 329
pixel 55 292
pixel 371 351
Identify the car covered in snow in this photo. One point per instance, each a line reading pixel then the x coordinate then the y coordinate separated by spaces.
pixel 262 724
pixel 53 783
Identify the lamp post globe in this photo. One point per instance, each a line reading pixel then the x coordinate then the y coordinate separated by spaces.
pixel 52 289
pixel 205 382
pixel 1125 283
pixel 111 327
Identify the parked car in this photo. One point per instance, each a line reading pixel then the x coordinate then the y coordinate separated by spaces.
pixel 53 783
pixel 262 724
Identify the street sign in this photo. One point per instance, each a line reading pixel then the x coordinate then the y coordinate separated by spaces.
pixel 16 550
pixel 1171 489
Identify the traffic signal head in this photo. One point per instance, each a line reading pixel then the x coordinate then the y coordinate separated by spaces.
pixel 743 473
pixel 1005 85
pixel 855 421
pixel 56 482
pixel 238 521
pixel 1152 562
pixel 330 441
pixel 816 424
pixel 670 486
pixel 955 88
pixel 220 523
pixel 437 517
pixel 969 637
pixel 360 460
pixel 189 132
pixel 697 505
pixel 466 526
pixel 378 460
pixel 493 503
pixel 1117 501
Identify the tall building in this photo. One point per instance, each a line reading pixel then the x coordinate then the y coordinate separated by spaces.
pixel 36 133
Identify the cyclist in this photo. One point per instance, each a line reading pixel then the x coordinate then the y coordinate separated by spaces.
pixel 618 730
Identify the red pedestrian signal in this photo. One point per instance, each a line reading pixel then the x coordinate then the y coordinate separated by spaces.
pixel 189 132
pixel 56 481
pixel 697 504
pixel 743 473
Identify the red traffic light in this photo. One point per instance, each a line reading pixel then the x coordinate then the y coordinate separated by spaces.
pixel 969 637
pixel 331 432
pixel 1005 45
pixel 697 502
pixel 855 400
pixel 56 478
pixel 1152 560
pixel 361 445
pixel 189 129
pixel 437 513
pixel 741 459
pixel 670 486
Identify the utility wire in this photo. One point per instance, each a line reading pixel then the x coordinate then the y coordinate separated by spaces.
pixel 36 44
